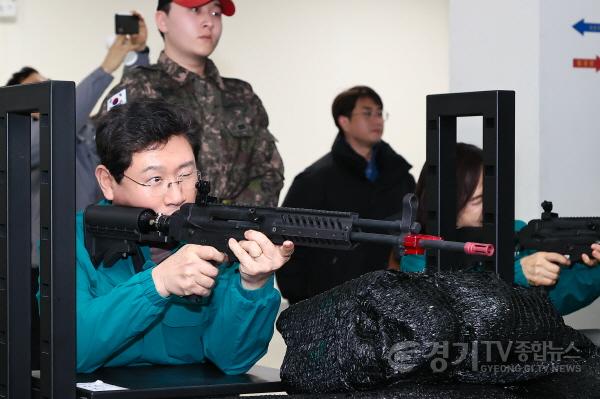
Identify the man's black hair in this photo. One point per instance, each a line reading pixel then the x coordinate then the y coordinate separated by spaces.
pixel 164 6
pixel 18 77
pixel 344 103
pixel 138 126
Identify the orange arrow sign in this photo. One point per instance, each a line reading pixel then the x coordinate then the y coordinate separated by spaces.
pixel 593 63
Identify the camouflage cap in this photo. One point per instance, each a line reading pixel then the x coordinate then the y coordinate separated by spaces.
pixel 227 6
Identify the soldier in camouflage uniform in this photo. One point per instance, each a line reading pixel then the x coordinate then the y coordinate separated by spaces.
pixel 237 152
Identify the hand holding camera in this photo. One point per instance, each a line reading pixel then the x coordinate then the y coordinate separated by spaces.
pixel 131 36
pixel 134 26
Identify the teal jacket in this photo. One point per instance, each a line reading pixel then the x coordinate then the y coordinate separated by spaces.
pixel 577 285
pixel 122 320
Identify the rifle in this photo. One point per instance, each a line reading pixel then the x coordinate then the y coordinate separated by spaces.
pixel 114 232
pixel 570 236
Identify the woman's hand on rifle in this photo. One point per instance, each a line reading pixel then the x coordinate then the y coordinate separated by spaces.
pixel 543 268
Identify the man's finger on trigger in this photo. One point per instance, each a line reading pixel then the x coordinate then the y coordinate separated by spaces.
pixel 557 258
pixel 239 252
pixel 209 253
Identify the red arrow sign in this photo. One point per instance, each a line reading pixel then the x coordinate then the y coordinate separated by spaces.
pixel 587 63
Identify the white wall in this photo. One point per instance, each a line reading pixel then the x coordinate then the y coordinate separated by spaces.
pixel 494 45
pixel 569 98
pixel 297 54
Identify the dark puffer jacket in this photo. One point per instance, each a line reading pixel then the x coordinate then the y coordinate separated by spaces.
pixel 337 182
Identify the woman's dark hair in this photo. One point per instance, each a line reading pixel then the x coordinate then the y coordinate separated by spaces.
pixel 344 103
pixel 18 77
pixel 469 164
pixel 138 126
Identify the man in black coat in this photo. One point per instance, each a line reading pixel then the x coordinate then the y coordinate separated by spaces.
pixel 362 174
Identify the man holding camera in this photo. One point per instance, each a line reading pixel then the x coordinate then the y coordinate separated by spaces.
pixel 237 152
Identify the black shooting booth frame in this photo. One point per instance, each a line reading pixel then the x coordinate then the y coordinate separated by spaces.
pixel 55 101
pixel 498 111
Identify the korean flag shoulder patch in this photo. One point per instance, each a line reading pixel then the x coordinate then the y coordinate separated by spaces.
pixel 119 98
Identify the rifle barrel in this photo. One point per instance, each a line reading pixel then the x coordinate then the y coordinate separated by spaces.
pixel 470 248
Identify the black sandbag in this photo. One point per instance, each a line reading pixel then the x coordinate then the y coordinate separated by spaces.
pixel 582 383
pixel 515 330
pixel 341 340
pixel 382 329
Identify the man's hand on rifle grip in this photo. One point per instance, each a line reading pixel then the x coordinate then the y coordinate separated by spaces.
pixel 259 258
pixel 188 271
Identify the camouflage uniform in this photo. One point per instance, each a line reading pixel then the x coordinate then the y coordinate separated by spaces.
pixel 237 152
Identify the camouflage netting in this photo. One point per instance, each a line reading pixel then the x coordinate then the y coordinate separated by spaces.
pixel 386 329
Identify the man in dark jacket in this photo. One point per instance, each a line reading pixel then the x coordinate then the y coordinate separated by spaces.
pixel 361 174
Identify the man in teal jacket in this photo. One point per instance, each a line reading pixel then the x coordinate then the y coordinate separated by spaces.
pixel 138 314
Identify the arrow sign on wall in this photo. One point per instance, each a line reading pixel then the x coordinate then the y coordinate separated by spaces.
pixel 583 27
pixel 587 63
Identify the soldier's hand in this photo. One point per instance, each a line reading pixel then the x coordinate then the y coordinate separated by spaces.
pixel 188 271
pixel 259 258
pixel 595 258
pixel 543 268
